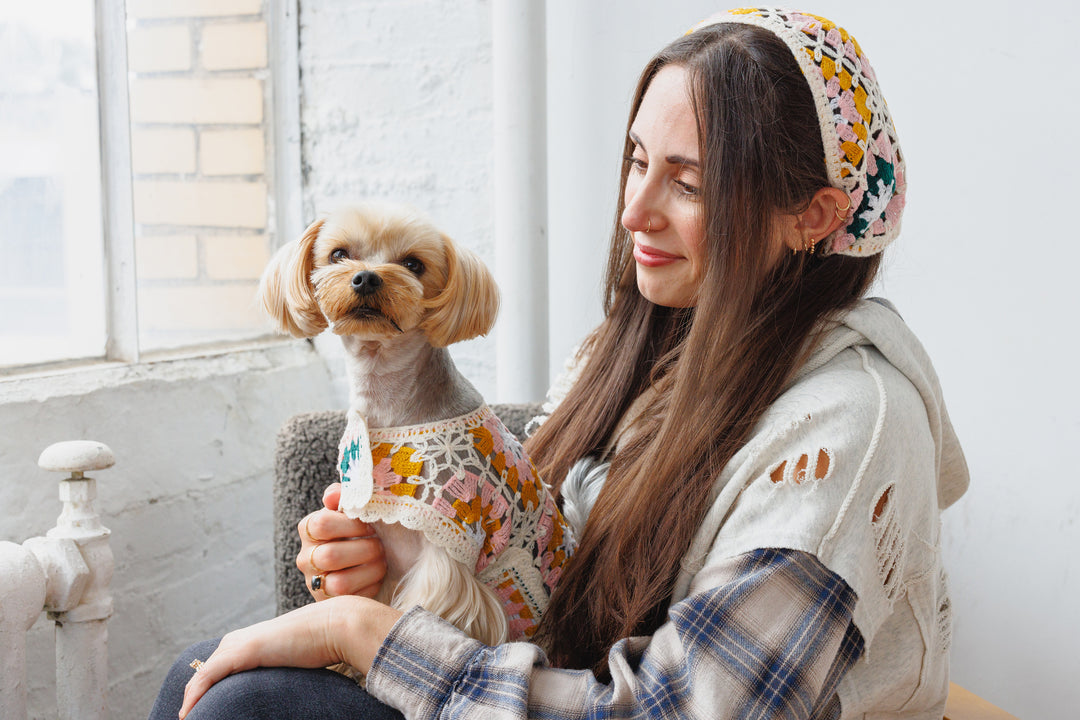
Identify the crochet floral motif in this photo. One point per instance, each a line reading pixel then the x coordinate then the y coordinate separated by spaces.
pixel 862 152
pixel 468 485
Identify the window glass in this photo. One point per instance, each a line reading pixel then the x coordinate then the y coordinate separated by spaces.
pixel 200 138
pixel 52 296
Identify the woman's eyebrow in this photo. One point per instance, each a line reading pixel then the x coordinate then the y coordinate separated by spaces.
pixel 672 159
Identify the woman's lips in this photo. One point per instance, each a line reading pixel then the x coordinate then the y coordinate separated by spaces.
pixel 651 257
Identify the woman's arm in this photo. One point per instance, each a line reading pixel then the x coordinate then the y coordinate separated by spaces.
pixel 771 639
pixel 343 629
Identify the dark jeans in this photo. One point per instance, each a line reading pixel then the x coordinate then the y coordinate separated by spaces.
pixel 265 693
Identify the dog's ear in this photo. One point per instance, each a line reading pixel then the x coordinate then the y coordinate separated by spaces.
pixel 285 290
pixel 467 306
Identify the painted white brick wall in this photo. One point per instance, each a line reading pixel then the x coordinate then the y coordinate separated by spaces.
pixel 397 106
pixel 188 501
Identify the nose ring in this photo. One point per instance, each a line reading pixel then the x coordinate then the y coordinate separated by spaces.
pixel 648 228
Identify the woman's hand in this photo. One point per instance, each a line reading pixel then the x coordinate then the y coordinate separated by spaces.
pixel 345 555
pixel 344 629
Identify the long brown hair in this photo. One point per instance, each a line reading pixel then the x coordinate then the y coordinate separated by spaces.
pixel 715 368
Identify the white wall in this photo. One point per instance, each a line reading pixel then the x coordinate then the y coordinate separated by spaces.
pixel 983 95
pixel 396 106
pixel 188 501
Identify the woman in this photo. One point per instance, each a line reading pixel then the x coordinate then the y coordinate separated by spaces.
pixel 772 452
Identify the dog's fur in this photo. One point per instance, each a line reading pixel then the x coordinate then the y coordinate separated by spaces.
pixel 398 292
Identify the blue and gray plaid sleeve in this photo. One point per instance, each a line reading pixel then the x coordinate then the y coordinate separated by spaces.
pixel 770 638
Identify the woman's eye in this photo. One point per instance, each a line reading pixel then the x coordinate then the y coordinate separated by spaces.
pixel 339 255
pixel 413 265
pixel 637 164
pixel 687 189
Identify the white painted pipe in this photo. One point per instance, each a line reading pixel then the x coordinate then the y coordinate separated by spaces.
pixel 520 177
pixel 67 573
pixel 82 661
pixel 22 593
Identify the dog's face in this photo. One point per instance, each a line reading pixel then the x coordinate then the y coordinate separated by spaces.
pixel 372 272
pixel 375 273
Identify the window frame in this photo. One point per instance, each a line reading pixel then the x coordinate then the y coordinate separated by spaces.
pixel 282 101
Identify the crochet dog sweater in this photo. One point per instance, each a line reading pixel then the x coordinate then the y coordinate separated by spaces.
pixel 468 485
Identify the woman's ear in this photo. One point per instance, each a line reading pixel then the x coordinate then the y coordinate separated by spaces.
pixel 828 210
pixel 467 306
pixel 285 290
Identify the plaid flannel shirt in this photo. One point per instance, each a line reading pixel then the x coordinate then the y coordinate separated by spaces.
pixel 770 638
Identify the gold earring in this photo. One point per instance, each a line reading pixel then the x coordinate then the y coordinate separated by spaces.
pixel 841 212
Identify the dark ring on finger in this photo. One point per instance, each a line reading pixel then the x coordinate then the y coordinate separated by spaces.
pixel 318 582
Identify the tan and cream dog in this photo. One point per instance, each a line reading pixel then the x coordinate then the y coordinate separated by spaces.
pixel 469 530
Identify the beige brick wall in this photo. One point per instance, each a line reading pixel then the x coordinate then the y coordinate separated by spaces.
pixel 234 46
pixel 199 157
pixel 232 152
pixel 197 100
pixel 163 150
pixel 200 203
pixel 167 257
pixel 159 48
pixel 235 257
pixel 215 308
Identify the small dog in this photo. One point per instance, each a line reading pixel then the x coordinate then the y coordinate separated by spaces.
pixel 469 530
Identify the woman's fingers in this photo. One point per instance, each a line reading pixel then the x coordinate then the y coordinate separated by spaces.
pixel 365 580
pixel 345 567
pixel 325 525
pixel 339 556
pixel 332 496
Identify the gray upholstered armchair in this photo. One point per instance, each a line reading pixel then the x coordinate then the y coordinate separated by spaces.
pixel 304 464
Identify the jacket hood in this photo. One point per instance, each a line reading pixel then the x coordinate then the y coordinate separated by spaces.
pixel 877 323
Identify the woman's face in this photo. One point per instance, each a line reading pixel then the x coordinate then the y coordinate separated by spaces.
pixel 662 199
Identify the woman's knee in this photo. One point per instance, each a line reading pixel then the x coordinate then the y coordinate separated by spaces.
pixel 286 694
pixel 171 695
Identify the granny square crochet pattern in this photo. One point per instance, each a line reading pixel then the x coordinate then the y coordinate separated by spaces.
pixel 862 152
pixel 468 485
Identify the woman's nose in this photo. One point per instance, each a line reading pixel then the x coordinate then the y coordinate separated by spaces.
pixel 639 209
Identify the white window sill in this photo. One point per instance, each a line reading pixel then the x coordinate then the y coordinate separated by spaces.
pixel 80 378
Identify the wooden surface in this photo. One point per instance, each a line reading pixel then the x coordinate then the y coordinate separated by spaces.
pixel 966 705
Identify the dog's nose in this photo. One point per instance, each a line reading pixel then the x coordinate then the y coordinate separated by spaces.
pixel 366 282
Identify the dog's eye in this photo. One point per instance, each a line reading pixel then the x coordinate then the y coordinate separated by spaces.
pixel 413 265
pixel 339 255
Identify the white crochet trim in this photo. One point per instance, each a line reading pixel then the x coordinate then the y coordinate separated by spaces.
pixel 358 484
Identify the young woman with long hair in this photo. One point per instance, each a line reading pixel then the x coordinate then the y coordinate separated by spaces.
pixel 758 455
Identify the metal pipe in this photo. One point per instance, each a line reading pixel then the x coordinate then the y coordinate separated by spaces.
pixel 520 177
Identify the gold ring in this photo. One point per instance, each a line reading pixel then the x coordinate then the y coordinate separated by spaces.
pixel 197 664
pixel 841 212
pixel 311 561
pixel 307 532
pixel 648 228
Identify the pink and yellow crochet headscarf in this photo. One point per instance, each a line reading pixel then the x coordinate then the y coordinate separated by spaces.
pixel 862 153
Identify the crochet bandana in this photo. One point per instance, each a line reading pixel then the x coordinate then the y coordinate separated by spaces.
pixel 862 152
pixel 468 485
